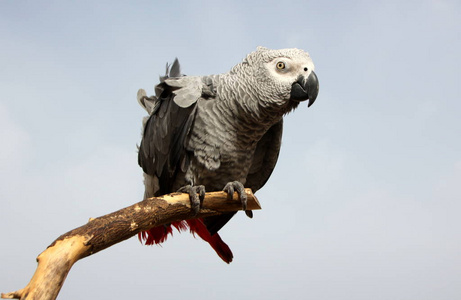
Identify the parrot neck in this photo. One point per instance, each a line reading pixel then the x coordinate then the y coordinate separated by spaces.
pixel 251 106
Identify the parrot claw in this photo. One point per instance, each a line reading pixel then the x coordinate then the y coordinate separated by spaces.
pixel 195 200
pixel 249 213
pixel 237 186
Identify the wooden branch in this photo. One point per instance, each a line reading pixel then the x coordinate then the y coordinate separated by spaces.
pixel 56 261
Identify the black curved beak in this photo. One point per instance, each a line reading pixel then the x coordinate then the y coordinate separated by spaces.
pixel 304 89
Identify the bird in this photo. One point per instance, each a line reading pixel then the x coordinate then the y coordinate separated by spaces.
pixel 219 132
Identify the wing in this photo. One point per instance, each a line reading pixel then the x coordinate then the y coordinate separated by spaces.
pixel 162 152
pixel 265 157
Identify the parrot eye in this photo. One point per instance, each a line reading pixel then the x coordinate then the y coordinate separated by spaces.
pixel 280 65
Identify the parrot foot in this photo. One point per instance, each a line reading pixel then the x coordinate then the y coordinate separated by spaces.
pixel 195 200
pixel 237 186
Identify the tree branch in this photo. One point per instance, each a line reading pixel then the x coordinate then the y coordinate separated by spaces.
pixel 98 234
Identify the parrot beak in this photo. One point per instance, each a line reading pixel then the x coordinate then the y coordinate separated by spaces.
pixel 304 89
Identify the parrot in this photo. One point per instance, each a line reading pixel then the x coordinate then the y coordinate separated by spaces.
pixel 219 133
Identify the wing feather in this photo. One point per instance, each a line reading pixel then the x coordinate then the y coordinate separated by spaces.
pixel 265 157
pixel 162 152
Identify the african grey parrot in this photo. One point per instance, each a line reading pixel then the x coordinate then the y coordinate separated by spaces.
pixel 219 132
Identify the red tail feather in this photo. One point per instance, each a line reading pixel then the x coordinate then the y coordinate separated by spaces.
pixel 159 234
pixel 215 241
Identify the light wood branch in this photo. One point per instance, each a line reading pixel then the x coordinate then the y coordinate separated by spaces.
pixel 100 233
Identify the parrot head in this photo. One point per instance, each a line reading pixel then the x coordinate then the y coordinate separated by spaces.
pixel 283 76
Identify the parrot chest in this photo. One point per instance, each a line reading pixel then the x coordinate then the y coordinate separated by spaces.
pixel 221 157
pixel 221 145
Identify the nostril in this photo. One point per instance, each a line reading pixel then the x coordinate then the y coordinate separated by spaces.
pixel 305 69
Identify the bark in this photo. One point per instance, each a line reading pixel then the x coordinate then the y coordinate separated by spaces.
pixel 100 233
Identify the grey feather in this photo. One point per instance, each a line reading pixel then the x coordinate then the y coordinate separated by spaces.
pixel 265 157
pixel 187 90
pixel 175 69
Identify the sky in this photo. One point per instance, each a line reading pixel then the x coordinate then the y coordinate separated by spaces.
pixel 364 202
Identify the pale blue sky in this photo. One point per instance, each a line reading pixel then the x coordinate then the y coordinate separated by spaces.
pixel 363 204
